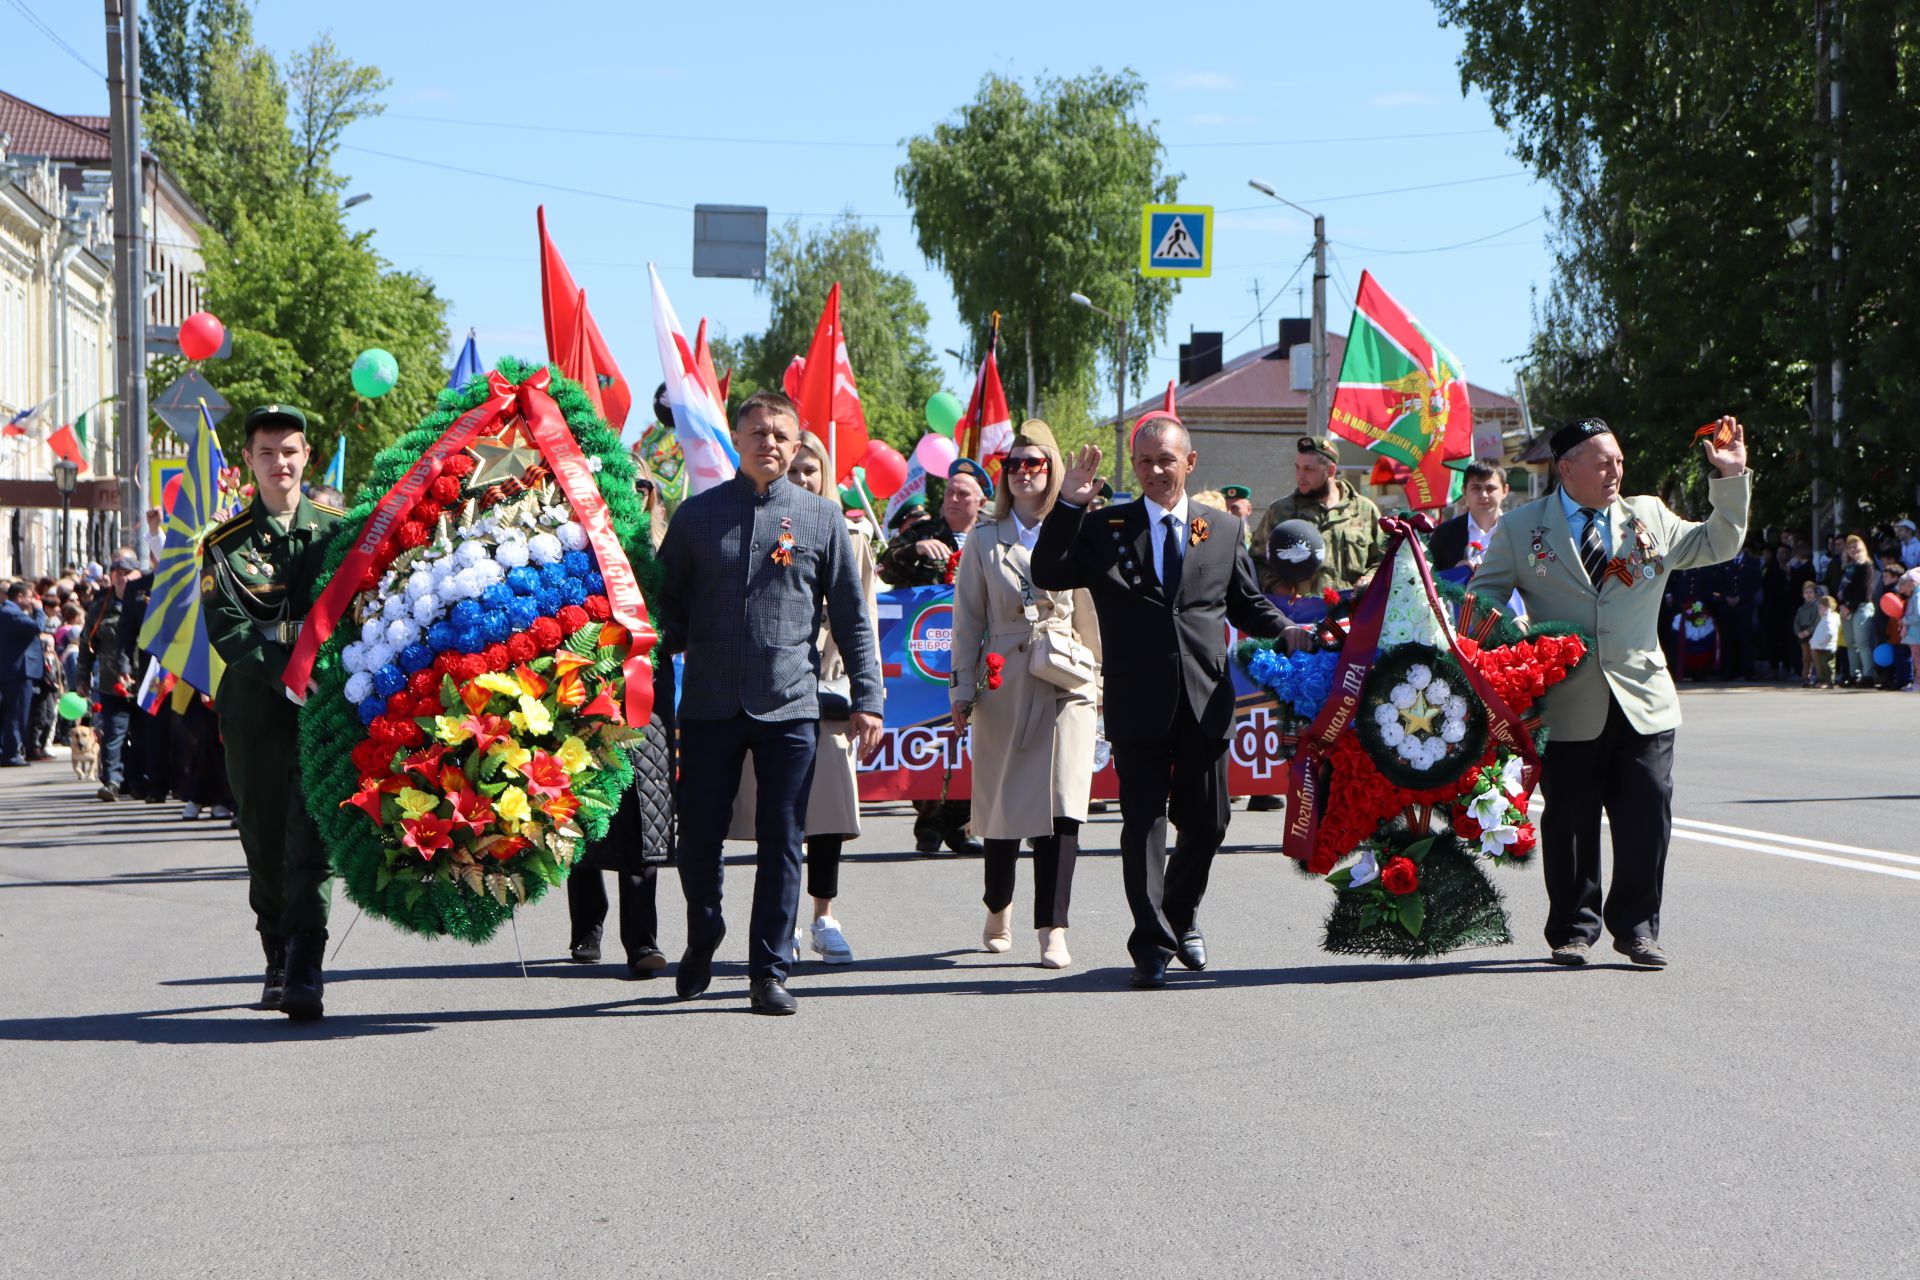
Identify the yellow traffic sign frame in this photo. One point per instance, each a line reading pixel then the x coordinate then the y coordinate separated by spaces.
pixel 1204 212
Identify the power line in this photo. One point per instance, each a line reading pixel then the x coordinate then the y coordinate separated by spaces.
pixel 47 31
pixel 1257 316
pixel 1442 248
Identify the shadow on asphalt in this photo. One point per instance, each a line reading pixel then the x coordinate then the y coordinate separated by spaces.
pixel 170 875
pixel 193 1025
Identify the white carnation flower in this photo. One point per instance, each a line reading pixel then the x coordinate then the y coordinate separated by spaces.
pixel 1392 734
pixel 1454 731
pixel 379 655
pixel 594 464
pixel 1408 749
pixel 1419 675
pixel 467 582
pixel 572 535
pixel 487 573
pixel 545 548
pixel 1403 696
pixel 512 552
pixel 1438 691
pixel 371 632
pixel 471 552
pixel 442 570
pixel 354 657
pixel 359 687
pixel 419 583
pixel 1384 715
pixel 426 608
pixel 402 632
pixel 1456 708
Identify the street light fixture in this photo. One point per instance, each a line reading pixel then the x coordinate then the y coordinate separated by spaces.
pixel 66 478
pixel 1318 410
pixel 353 200
pixel 1119 387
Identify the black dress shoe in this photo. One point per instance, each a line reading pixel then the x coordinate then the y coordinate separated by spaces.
pixel 586 950
pixel 695 973
pixel 926 842
pixel 1148 975
pixel 965 845
pixel 771 997
pixel 644 963
pixel 302 999
pixel 1193 949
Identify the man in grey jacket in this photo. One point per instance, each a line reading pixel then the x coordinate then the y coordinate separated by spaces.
pixel 749 566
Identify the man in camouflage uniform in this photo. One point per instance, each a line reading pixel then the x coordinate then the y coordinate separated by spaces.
pixel 1346 519
pixel 256 585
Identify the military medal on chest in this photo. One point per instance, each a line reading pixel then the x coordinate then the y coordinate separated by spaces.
pixel 1541 555
pixel 1639 562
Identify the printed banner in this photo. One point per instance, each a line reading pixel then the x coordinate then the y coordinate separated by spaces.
pixel 918 747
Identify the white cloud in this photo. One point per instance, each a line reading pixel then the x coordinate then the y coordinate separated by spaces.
pixel 1219 120
pixel 1401 98
pixel 1206 81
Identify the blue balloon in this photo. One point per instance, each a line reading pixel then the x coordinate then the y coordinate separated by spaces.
pixel 389 680
pixel 415 657
pixel 1883 655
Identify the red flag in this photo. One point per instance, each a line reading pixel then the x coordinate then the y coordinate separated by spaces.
pixel 65 445
pixel 987 426
pixel 1401 393
pixel 703 364
pixel 587 372
pixel 564 307
pixel 829 400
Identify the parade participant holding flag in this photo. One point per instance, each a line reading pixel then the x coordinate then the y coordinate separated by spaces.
pixel 1585 555
pixel 255 590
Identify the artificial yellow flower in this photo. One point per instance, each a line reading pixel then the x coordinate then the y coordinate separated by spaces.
pixel 451 730
pixel 511 754
pixel 417 804
pixel 498 682
pixel 537 719
pixel 573 755
pixel 512 805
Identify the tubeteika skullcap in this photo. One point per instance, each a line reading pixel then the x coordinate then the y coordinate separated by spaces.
pixel 1575 434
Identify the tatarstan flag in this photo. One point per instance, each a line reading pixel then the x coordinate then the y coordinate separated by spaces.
pixel 1402 395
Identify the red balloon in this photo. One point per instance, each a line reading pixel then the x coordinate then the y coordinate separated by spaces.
pixel 201 335
pixel 1892 606
pixel 886 469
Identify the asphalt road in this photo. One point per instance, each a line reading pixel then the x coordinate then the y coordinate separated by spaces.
pixel 936 1111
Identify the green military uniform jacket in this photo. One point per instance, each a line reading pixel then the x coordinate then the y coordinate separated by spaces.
pixel 1350 526
pixel 256 584
pixel 1533 552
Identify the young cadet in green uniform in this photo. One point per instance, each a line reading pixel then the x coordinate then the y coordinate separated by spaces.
pixel 255 587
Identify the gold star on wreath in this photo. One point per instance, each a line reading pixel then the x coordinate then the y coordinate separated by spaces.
pixel 503 457
pixel 1419 716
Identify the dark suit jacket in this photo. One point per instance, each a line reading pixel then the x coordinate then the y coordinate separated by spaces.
pixel 19 644
pixel 1449 544
pixel 1155 650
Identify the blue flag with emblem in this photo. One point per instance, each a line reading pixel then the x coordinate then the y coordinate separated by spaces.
pixel 468 366
pixel 174 632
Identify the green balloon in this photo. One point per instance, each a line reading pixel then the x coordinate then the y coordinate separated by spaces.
pixel 374 373
pixel 944 412
pixel 71 706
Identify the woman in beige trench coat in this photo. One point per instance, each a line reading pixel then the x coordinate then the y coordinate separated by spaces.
pixel 833 806
pixel 1032 739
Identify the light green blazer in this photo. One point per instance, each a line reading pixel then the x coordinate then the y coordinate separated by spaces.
pixel 1622 621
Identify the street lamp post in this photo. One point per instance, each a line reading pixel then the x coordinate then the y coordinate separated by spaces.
pixel 1119 390
pixel 1319 410
pixel 66 478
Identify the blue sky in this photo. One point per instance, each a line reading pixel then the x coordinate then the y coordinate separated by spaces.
pixel 801 109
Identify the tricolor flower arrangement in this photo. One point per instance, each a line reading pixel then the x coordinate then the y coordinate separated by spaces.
pixel 464 737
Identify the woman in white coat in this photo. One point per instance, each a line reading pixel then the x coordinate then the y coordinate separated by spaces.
pixel 833 806
pixel 1033 736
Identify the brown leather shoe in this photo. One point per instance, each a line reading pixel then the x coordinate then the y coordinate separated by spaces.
pixel 1569 953
pixel 1644 952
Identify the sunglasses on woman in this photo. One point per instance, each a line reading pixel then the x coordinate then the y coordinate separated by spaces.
pixel 643 487
pixel 1016 465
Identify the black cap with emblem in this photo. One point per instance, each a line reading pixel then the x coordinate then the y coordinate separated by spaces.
pixel 1575 434
pixel 275 417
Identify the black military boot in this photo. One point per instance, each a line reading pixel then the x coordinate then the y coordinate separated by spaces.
pixel 276 987
pixel 301 999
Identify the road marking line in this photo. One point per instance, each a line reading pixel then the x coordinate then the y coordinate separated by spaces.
pixel 1681 825
pixel 1907 858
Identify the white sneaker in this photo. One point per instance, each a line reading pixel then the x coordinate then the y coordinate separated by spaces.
pixel 829 943
pixel 221 811
pixel 189 811
pixel 794 952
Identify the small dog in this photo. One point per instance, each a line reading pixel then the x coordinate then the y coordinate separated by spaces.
pixel 86 752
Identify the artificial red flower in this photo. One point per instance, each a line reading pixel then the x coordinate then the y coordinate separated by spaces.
pixel 612 633
pixel 486 730
pixel 572 617
pixel 598 607
pixel 472 811
pixel 370 580
pixel 411 534
pixel 953 567
pixel 545 776
pixel 427 513
pixel 409 733
pixel 471 666
pixel 571 684
pixel 445 490
pixel 498 657
pixel 1399 876
pixel 532 681
pixel 995 665
pixel 459 466
pixel 474 698
pixel 426 761
pixel 546 634
pixel 520 647
pixel 371 757
pixel 1467 827
pixel 1524 840
pixel 605 707
pixel 507 846
pixel 562 808
pixel 1331 595
pixel 427 834
pixel 366 799
pixel 422 682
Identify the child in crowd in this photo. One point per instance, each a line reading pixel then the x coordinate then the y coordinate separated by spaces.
pixel 1826 639
pixel 1803 621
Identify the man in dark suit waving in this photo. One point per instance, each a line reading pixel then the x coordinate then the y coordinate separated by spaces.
pixel 1166 575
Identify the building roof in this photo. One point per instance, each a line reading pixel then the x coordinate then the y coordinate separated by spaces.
pixel 36 131
pixel 1263 379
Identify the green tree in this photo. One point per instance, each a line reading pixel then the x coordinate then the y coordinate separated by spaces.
pixel 885 320
pixel 1025 198
pixel 1682 142
pixel 329 92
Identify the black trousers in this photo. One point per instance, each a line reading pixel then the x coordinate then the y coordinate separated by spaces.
pixel 1629 776
pixel 639 921
pixel 712 753
pixel 823 866
pixel 1183 777
pixel 1053 861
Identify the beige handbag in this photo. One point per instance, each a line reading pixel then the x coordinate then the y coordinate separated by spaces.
pixel 1054 653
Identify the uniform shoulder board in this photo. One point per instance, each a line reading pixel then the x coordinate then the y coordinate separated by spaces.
pixel 330 510
pixel 231 527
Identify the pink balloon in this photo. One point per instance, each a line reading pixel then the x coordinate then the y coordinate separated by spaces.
pixel 886 469
pixel 200 335
pixel 935 454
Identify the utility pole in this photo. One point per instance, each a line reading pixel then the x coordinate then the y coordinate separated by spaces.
pixel 1829 374
pixel 1259 315
pixel 1320 409
pixel 129 258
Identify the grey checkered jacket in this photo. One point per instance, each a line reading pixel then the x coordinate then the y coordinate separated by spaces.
pixel 747 623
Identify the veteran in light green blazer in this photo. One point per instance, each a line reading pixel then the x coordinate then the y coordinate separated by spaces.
pixel 1587 556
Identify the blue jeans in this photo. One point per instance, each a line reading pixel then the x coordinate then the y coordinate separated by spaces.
pixel 111 723
pixel 712 753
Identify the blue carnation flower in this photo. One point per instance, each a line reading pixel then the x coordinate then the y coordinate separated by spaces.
pixel 389 680
pixel 553 574
pixel 497 596
pixel 466 614
pixel 415 657
pixel 578 564
pixel 469 640
pixel 573 591
pixel 371 709
pixel 495 627
pixel 549 601
pixel 521 614
pixel 440 636
pixel 596 585
pixel 524 580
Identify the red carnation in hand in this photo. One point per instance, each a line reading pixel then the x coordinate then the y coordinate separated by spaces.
pixel 1399 876
pixel 521 648
pixel 572 617
pixel 460 466
pixel 546 634
pixel 412 534
pixel 498 657
pixel 995 664
pixel 1331 595
pixel 598 608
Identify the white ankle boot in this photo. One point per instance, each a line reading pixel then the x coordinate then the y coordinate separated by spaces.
pixel 1053 949
pixel 997 937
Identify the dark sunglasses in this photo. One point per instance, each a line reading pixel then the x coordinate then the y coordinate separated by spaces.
pixel 1014 465
pixel 643 486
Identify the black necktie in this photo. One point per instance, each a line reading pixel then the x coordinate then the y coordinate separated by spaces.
pixel 1593 555
pixel 1170 558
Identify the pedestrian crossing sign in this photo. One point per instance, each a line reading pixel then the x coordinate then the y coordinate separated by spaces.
pixel 1176 240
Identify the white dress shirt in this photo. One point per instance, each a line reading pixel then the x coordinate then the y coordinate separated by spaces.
pixel 1157 522
pixel 1025 536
